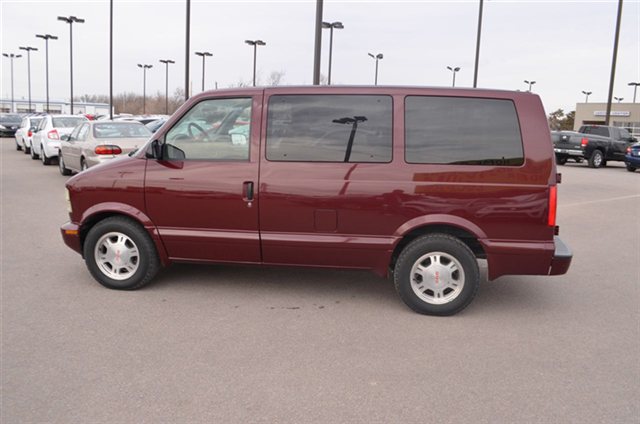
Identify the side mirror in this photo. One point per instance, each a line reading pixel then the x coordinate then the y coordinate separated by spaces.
pixel 154 151
pixel 171 152
pixel 65 137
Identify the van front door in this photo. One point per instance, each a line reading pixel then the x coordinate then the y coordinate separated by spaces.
pixel 201 194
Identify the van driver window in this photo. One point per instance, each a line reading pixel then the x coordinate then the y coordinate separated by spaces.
pixel 217 129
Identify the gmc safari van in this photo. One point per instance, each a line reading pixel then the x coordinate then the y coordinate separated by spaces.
pixel 412 183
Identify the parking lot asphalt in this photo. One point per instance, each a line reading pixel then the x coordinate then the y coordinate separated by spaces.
pixel 234 344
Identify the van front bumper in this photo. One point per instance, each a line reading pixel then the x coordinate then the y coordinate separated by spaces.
pixel 561 258
pixel 71 236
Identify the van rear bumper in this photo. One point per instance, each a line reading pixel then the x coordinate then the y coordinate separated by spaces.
pixel 561 257
pixel 506 257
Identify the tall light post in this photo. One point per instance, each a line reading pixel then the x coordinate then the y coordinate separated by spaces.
pixel 377 58
pixel 635 89
pixel 29 50
pixel 46 38
pixel 186 54
pixel 166 89
pixel 317 45
pixel 530 84
pixel 619 99
pixel 331 26
pixel 586 95
pixel 144 86
pixel 203 55
pixel 454 71
pixel 12 56
pixel 613 62
pixel 475 69
pixel 255 44
pixel 70 20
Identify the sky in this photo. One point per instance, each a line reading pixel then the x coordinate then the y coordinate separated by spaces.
pixel 565 46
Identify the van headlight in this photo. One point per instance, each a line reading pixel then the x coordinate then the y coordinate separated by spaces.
pixel 68 199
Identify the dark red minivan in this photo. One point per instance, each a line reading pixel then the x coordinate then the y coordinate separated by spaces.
pixel 416 183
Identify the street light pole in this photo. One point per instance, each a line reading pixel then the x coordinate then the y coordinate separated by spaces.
pixel 29 50
pixel 586 95
pixel 70 20
pixel 144 86
pixel 46 38
pixel 187 48
pixel 635 89
pixel 166 96
pixel 454 70
pixel 203 55
pixel 613 63
pixel 475 70
pixel 12 56
pixel 377 58
pixel 255 44
pixel 317 47
pixel 530 84
pixel 331 26
pixel 111 60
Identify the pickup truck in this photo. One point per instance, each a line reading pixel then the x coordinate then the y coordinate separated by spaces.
pixel 597 144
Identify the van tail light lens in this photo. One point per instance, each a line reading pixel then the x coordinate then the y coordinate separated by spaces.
pixel 108 150
pixel 553 205
pixel 30 133
pixel 629 149
pixel 584 142
pixel 53 135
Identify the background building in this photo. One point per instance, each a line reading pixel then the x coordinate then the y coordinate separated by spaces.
pixel 626 115
pixel 55 107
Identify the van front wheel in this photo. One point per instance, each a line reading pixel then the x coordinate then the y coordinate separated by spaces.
pixel 120 254
pixel 437 274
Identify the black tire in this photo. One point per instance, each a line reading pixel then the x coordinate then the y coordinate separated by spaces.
pixel 596 160
pixel 18 146
pixel 34 156
pixel 450 246
pixel 578 160
pixel 63 169
pixel 83 165
pixel 561 160
pixel 26 149
pixel 148 265
pixel 630 168
pixel 43 156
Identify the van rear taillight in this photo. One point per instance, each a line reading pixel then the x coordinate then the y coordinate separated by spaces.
pixel 53 135
pixel 584 142
pixel 30 133
pixel 553 205
pixel 108 150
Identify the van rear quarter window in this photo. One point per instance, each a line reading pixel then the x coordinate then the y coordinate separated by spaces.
pixel 462 131
pixel 330 128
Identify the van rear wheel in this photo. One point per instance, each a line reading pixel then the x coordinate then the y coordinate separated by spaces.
pixel 120 254
pixel 437 274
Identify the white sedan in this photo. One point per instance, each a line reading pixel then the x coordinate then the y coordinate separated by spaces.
pixel 46 139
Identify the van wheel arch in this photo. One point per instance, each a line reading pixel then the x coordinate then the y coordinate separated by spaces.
pixel 463 235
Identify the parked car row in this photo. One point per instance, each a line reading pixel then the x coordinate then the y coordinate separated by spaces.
pixel 76 142
pixel 596 144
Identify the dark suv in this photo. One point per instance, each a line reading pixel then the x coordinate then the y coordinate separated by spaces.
pixel 415 183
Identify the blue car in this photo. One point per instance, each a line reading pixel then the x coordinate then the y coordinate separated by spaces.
pixel 632 158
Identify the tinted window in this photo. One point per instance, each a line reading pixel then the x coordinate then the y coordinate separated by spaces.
pixel 216 129
pixel 330 128
pixel 67 122
pixel 118 130
pixel 10 119
pixel 35 122
pixel 462 131
pixel 595 130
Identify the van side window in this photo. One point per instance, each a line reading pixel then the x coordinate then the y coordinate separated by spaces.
pixel 217 129
pixel 330 128
pixel 462 131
